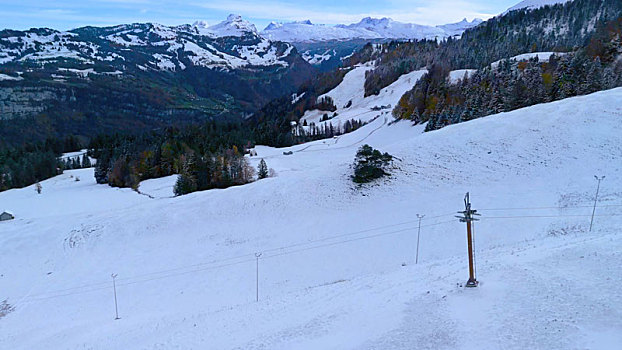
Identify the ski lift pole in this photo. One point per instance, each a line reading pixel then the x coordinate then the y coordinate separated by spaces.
pixel 467 217
pixel 418 234
pixel 114 288
pixel 599 179
pixel 257 256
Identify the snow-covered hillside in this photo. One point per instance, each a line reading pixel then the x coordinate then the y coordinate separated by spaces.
pixel 534 4
pixel 349 98
pixel 460 74
pixel 231 44
pixel 367 28
pixel 337 267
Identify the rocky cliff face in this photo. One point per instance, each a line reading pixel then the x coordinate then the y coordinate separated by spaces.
pixel 17 102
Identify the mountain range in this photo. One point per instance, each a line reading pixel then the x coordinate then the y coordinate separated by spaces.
pixel 367 28
pixel 326 46
pixel 139 76
pixel 233 43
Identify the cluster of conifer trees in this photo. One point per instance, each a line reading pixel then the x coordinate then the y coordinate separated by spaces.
pixel 562 27
pixel 326 103
pixel 22 166
pixel 77 162
pixel 511 85
pixel 206 171
pixel 125 160
pixel 370 164
pixel 207 156
pixel 325 129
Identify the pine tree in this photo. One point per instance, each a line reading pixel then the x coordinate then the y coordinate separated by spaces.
pixel 187 181
pixel 86 162
pixel 185 184
pixel 370 164
pixel 262 169
pixel 101 171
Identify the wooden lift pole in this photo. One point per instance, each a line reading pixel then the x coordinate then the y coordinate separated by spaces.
pixel 472 282
pixel 467 216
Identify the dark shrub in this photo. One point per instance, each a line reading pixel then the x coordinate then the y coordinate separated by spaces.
pixel 370 164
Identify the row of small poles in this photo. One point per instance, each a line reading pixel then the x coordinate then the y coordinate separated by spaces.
pixel 467 216
pixel 114 286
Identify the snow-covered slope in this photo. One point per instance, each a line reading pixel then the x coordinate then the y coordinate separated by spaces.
pixel 367 28
pixel 459 74
pixel 231 44
pixel 534 4
pixel 349 98
pixel 234 25
pixel 8 77
pixel 338 266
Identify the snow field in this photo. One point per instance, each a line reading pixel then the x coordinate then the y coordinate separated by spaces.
pixel 457 75
pixel 331 273
pixel 352 89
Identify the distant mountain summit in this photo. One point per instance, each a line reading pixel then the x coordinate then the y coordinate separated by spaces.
pixel 389 29
pixel 456 29
pixel 367 28
pixel 234 25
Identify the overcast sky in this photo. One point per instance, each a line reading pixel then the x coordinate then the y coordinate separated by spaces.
pixel 68 14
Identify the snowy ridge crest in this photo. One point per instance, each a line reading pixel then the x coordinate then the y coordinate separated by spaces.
pixel 231 44
pixel 367 28
pixel 535 4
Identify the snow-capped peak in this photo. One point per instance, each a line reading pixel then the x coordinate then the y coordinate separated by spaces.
pixel 234 25
pixel 367 28
pixel 234 18
pixel 371 23
pixel 466 21
pixel 273 25
pixel 388 28
pixel 458 28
